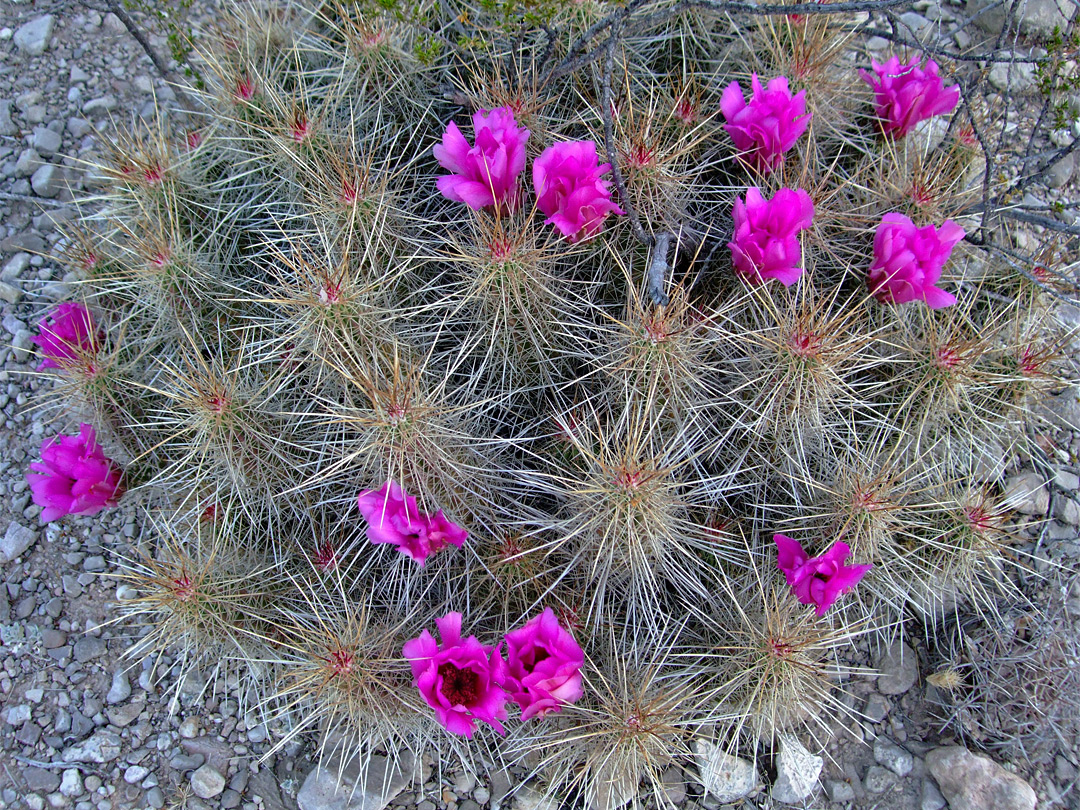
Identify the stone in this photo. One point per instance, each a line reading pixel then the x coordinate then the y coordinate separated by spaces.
pixel 898 668
pixel 207 782
pixel 135 774
pixel 876 708
pixel 972 782
pixel 78 75
pixel 893 757
pixel 1034 16
pixel 931 796
pixel 1026 493
pixel 123 716
pixel 71 784
pixel 99 106
pixel 120 690
pixel 10 293
pixel 17 539
pixel 368 787
pixel 39 780
pixel 839 791
pixel 32 38
pixel 79 128
pixel 797 771
pixel 1061 172
pixel 45 141
pixel 102 746
pixel 189 728
pixel 609 788
pixel 879 780
pixel 17 715
pixel 727 778
pixel 88 648
pixel 29 162
pixel 7 126
pixel 48 180
pixel 15 266
pixel 1015 77
pixel 529 798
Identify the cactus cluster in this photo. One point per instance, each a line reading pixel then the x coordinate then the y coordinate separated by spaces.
pixel 496 315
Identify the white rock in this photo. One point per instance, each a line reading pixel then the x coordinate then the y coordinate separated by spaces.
pixel 207 782
pixel 120 690
pixel 71 785
pixel 726 777
pixel 380 782
pixel 1026 493
pixel 17 539
pixel 972 782
pixel 33 37
pixel 103 746
pixel 797 771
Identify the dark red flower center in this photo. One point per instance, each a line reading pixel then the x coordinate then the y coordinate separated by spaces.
pixel 459 686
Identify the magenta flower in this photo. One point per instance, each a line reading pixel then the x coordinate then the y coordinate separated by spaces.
pixel 768 126
pixel 460 680
pixel 906 94
pixel 484 174
pixel 543 666
pixel 74 477
pixel 569 190
pixel 817 580
pixel 908 261
pixel 67 332
pixel 393 517
pixel 766 240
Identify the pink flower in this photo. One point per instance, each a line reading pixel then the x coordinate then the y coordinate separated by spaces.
pixel 817 580
pixel 908 261
pixel 67 332
pixel 768 126
pixel 569 190
pixel 460 680
pixel 74 477
pixel 766 243
pixel 393 517
pixel 906 94
pixel 543 666
pixel 484 174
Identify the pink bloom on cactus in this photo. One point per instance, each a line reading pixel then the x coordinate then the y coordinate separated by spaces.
pixel 459 679
pixel 817 580
pixel 66 332
pixel 393 517
pixel 543 666
pixel 766 240
pixel 906 94
pixel 74 477
pixel 484 174
pixel 767 126
pixel 908 261
pixel 569 190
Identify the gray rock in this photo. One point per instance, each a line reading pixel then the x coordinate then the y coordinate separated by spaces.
pixel 45 141
pixel 29 162
pixel 79 127
pixel 17 539
pixel 48 180
pixel 7 126
pixel 839 791
pixel 120 690
pixel 1062 171
pixel 39 780
pixel 102 746
pixel 528 798
pixel 1016 77
pixel 88 648
pixel 71 785
pixel 916 22
pixel 1034 16
pixel 797 771
pixel 876 708
pixel 370 787
pixel 33 37
pixel 972 782
pixel 100 105
pixel 1026 493
pixel 610 787
pixel 25 242
pixel 17 715
pixel 135 774
pixel 10 293
pixel 931 796
pixel 879 780
pixel 727 778
pixel 15 266
pixel 123 716
pixel 78 75
pixel 893 757
pixel 207 782
pixel 899 669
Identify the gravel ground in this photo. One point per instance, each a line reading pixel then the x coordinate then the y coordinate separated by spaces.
pixel 83 727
